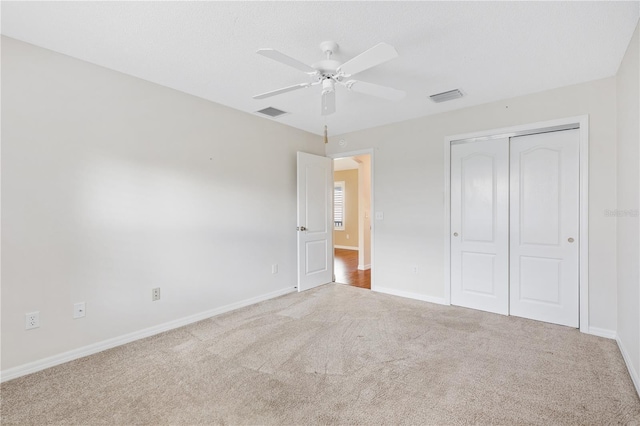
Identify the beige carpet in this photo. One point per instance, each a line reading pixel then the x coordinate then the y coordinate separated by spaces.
pixel 339 355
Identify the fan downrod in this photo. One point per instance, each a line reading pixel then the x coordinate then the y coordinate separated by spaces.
pixel 327 68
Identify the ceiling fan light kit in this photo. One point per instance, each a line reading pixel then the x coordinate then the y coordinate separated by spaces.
pixel 327 86
pixel 329 73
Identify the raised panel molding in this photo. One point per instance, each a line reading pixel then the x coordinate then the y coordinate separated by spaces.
pixel 550 269
pixel 316 221
pixel 483 267
pixel 538 205
pixel 474 203
pixel 315 250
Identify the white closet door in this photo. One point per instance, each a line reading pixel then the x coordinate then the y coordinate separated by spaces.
pixel 544 227
pixel 480 225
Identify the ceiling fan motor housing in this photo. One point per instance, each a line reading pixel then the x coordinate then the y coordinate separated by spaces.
pixel 327 67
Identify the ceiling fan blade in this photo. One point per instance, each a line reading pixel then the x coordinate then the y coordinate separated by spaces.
pixel 287 60
pixel 328 102
pixel 283 90
pixel 375 90
pixel 377 55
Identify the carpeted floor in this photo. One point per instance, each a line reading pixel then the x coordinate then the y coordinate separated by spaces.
pixel 339 355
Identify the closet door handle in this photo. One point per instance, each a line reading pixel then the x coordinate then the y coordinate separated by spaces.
pixel 571 240
pixel 455 234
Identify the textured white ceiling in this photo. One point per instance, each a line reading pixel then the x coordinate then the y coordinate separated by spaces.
pixel 489 50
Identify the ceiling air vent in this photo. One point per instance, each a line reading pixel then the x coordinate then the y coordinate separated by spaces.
pixel 446 96
pixel 272 112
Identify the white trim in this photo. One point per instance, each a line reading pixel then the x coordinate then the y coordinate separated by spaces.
pixel 410 295
pixel 447 220
pixel 346 247
pixel 364 267
pixel 627 360
pixel 371 153
pixel 505 131
pixel 583 123
pixel 583 273
pixel 41 364
pixel 602 332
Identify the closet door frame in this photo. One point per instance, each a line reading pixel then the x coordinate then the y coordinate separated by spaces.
pixel 579 122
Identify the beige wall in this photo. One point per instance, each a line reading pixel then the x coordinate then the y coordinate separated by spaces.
pixel 112 186
pixel 348 237
pixel 628 188
pixel 409 184
pixel 364 211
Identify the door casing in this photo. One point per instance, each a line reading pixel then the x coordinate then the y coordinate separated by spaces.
pixel 578 122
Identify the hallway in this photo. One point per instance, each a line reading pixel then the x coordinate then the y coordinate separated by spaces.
pixel 346 269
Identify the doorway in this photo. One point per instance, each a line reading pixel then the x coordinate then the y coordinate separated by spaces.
pixel 352 220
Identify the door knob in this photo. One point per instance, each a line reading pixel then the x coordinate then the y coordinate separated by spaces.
pixel 571 240
pixel 301 228
pixel 455 234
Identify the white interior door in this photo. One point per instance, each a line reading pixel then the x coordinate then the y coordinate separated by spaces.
pixel 480 225
pixel 315 230
pixel 544 227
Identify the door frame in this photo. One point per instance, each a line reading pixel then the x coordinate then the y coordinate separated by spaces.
pixel 578 122
pixel 370 153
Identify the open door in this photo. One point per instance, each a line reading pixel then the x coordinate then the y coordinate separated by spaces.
pixel 315 230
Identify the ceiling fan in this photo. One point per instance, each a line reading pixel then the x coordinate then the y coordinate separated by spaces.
pixel 330 73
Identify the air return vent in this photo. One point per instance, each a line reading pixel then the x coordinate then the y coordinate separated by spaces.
pixel 272 112
pixel 446 96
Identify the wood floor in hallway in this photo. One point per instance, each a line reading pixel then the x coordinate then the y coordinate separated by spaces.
pixel 346 269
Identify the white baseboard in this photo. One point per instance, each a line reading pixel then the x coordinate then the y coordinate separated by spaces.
pixel 632 372
pixel 410 295
pixel 32 367
pixel 364 267
pixel 346 247
pixel 602 332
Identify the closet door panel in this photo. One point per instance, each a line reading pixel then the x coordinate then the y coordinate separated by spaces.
pixel 479 225
pixel 544 211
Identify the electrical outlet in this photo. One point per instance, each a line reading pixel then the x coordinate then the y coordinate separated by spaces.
pixel 32 320
pixel 78 310
pixel 274 268
pixel 155 294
